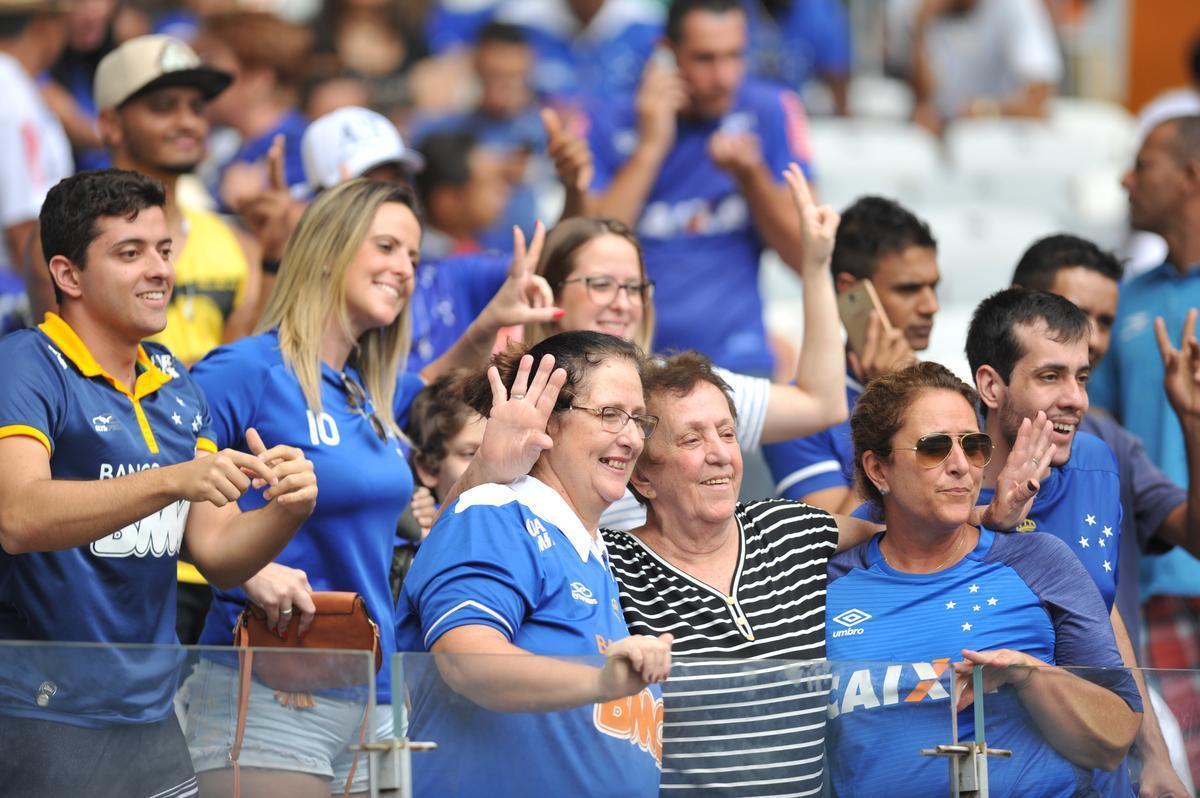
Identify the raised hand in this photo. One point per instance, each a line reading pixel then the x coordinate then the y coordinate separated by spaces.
pixel 515 436
pixel 284 593
pixel 818 223
pixel 661 95
pixel 524 297
pixel 570 153
pixel 295 485
pixel 737 154
pixel 885 349
pixel 1181 368
pixel 633 663
pixel 268 212
pixel 1018 483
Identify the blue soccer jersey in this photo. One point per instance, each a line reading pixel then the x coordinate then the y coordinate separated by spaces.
pixel 517 559
pixel 698 237
pixel 1022 592
pixel 120 588
pixel 447 296
pixel 1080 504
pixel 825 459
pixel 364 482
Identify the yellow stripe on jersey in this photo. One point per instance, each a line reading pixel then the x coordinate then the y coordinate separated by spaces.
pixel 73 348
pixel 144 425
pixel 13 430
pixel 205 445
pixel 189 574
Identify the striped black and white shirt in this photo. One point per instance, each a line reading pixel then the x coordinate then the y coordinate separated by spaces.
pixel 732 727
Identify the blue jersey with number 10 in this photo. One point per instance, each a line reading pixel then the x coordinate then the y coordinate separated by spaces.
pixel 364 483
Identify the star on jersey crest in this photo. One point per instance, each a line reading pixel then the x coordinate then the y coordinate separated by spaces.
pixel 1090 519
pixel 1084 542
pixel 175 417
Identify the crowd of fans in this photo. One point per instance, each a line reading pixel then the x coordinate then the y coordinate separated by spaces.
pixel 457 306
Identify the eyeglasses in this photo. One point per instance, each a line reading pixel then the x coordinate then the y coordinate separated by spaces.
pixel 932 450
pixel 603 290
pixel 357 398
pixel 614 419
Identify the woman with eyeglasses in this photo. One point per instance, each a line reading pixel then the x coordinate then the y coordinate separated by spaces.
pixel 933 590
pixel 322 374
pixel 514 575
pixel 595 268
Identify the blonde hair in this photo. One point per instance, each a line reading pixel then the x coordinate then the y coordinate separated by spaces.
pixel 311 290
pixel 558 261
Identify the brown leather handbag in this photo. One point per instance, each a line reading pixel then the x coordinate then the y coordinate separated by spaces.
pixel 341 622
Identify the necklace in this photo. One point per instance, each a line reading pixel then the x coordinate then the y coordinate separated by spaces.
pixel 940 565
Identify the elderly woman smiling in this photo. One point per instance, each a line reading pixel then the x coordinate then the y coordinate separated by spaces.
pixel 934 589
pixel 518 569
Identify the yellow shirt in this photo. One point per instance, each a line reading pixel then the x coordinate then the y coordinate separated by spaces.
pixel 210 281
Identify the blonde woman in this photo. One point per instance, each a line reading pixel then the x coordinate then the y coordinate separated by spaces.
pixel 322 376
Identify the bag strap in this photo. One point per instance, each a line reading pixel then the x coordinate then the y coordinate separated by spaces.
pixel 362 734
pixel 245 668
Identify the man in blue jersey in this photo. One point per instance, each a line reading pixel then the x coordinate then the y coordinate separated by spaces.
pixel 1164 198
pixel 109 471
pixel 1029 353
pixel 694 164
pixel 1157 513
pixel 881 241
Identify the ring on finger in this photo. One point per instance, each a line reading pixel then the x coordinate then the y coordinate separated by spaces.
pixel 1035 461
pixel 518 396
pixel 288 611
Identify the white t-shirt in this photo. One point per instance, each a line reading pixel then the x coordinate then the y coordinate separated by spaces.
pixel 34 150
pixel 750 398
pixel 991 51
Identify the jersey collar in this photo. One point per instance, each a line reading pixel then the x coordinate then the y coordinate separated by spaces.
pixel 546 502
pixel 70 345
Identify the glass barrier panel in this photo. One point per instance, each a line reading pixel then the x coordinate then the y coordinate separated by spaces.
pixel 531 726
pixel 103 720
pixel 1175 697
pixel 1074 728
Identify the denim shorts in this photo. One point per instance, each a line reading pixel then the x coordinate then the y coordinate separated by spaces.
pixel 312 740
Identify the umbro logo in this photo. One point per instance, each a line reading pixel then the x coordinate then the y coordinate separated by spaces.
pixel 851 619
pixel 581 592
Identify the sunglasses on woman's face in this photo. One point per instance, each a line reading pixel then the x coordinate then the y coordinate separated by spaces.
pixel 932 450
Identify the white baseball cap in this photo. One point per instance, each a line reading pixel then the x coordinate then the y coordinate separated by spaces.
pixel 151 62
pixel 350 141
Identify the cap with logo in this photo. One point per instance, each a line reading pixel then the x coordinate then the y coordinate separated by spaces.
pixel 350 141
pixel 153 62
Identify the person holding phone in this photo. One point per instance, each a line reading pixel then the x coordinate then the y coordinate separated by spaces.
pixel 886 274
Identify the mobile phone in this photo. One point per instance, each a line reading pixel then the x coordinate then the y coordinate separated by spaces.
pixel 855 306
pixel 664 57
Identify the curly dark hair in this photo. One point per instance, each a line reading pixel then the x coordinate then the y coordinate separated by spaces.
pixel 436 415
pixel 880 412
pixel 69 214
pixel 575 352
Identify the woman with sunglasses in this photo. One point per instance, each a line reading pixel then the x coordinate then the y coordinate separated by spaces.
pixel 322 375
pixel 933 589
pixel 519 569
pixel 595 268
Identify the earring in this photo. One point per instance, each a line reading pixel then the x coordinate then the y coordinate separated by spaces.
pixel 884 492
